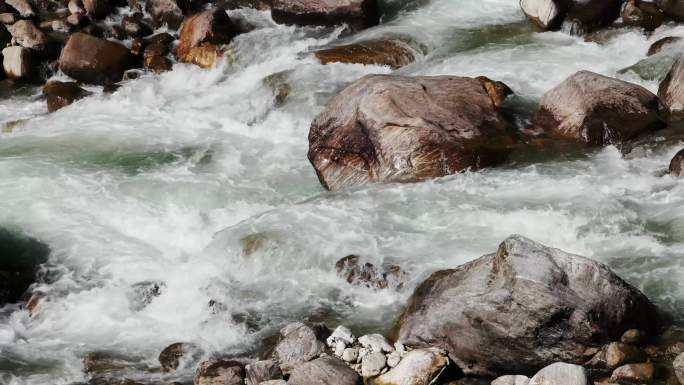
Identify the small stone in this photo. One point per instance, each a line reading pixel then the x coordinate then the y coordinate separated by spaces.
pixel 61 94
pixel 350 354
pixel 400 348
pixel 419 367
pixel 393 359
pixel 376 343
pixel 341 333
pixel 339 348
pixel 560 373
pixel 372 364
pixel 511 380
pixel 634 373
pixel 678 365
pixel 633 337
pixel 76 6
pixel 618 354
pixel 220 372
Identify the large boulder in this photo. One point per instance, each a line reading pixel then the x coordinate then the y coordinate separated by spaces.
pixel 299 343
pixel 573 16
pixel 61 94
pixel 358 14
pixel 522 308
pixel 545 15
pixel 598 110
pixel 671 89
pixel 677 164
pixel 93 60
pixel 391 53
pixel 385 128
pixel 20 258
pixel 324 371
pixel 202 36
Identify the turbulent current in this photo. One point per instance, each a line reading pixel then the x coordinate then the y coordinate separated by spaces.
pixel 195 184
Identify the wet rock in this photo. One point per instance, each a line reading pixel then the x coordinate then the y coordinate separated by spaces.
pixel 677 164
pixel 299 343
pixel 393 359
pixel 497 91
pixel 61 94
pixel 673 9
pixel 671 89
pixel 23 7
pixel 101 365
pixel 144 292
pixel 93 30
pixel 350 355
pixel 598 110
pixel 678 366
pixel 642 14
pixel 358 14
pixel 169 357
pixel 418 367
pixel 262 371
pixel 545 15
pixel 511 380
pixel 560 373
pixel 17 63
pixel 392 53
pixel 97 9
pixel 93 60
pixel 20 259
pixel 164 39
pixel 135 27
pixel 634 373
pixel 169 12
pixel 350 269
pixel 385 128
pixel 618 354
pixel 324 371
pixel 633 337
pixel 27 35
pixel 663 43
pixel 220 372
pixel 571 303
pixel 202 36
pixel 157 64
pixel 372 364
pixel 587 16
pixel 77 20
pixel 76 6
pixel 8 18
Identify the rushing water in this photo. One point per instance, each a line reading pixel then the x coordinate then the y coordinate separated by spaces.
pixel 198 180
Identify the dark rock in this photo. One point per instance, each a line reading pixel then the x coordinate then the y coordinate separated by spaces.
pixel 179 355
pixel 324 371
pixel 587 16
pixel 385 128
pixel 662 44
pixel 261 371
pixel 350 269
pixel 642 14
pixel 522 308
pixel 299 343
pixel 673 9
pixel 202 35
pixel 23 7
pixel 61 94
pixel 634 373
pixel 20 258
pixel 17 63
pixel 169 12
pixel 117 32
pixel 158 64
pixel 392 53
pixel 132 74
pixel 671 89
pixel 358 14
pixel 93 60
pixel 77 20
pixel 220 372
pixel 561 373
pixel 93 30
pixel 5 36
pixel 134 26
pixel 633 337
pixel 144 293
pixel 27 35
pixel 97 9
pixel 618 354
pixel 163 38
pixel 156 49
pixel 598 110
pixel 677 164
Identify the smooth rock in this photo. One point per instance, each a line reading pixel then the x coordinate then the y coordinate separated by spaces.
pixel 262 371
pixel 663 44
pixel 358 14
pixel 20 259
pixel 17 63
pixel 545 15
pixel 560 373
pixel 298 344
pixel 27 35
pixel 350 354
pixel 376 343
pixel 202 36
pixel 324 371
pixel 393 359
pixel 634 373
pixel 511 380
pixel 671 89
pixel 618 354
pixel 61 94
pixel 678 366
pixel 642 14
pixel 391 53
pixel 676 168
pixel 385 128
pixel 372 364
pixel 94 60
pixel 418 367
pixel 571 303
pixel 220 372
pixel 598 110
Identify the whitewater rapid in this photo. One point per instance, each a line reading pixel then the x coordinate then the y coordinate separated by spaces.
pixel 197 180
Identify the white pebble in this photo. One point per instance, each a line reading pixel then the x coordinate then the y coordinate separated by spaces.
pixel 350 354
pixel 376 343
pixel 339 348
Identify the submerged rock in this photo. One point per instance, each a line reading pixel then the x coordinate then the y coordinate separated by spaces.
pixel 671 89
pixel 202 35
pixel 677 164
pixel 20 258
pixel 561 373
pixel 93 60
pixel 299 343
pixel 61 94
pixel 522 308
pixel 169 12
pixel 220 372
pixel 385 128
pixel 324 371
pixel 350 269
pixel 358 14
pixel 392 53
pixel 418 367
pixel 598 110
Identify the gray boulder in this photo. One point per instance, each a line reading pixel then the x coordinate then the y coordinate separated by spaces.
pixel 598 110
pixel 324 371
pixel 572 16
pixel 522 308
pixel 298 344
pixel 387 128
pixel 561 373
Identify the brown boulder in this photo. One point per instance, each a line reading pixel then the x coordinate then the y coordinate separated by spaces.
pixel 61 94
pixel 677 164
pixel 598 110
pixel 97 9
pixel 202 36
pixel 671 89
pixel 618 354
pixel 220 372
pixel 673 9
pixel 663 44
pixel 642 14
pixel 385 128
pixel 358 14
pixel 93 60
pixel 392 53
pixel 27 35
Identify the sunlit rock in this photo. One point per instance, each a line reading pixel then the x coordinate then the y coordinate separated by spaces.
pixel 634 373
pixel 418 367
pixel 391 53
pixel 299 343
pixel 202 37
pixel 220 372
